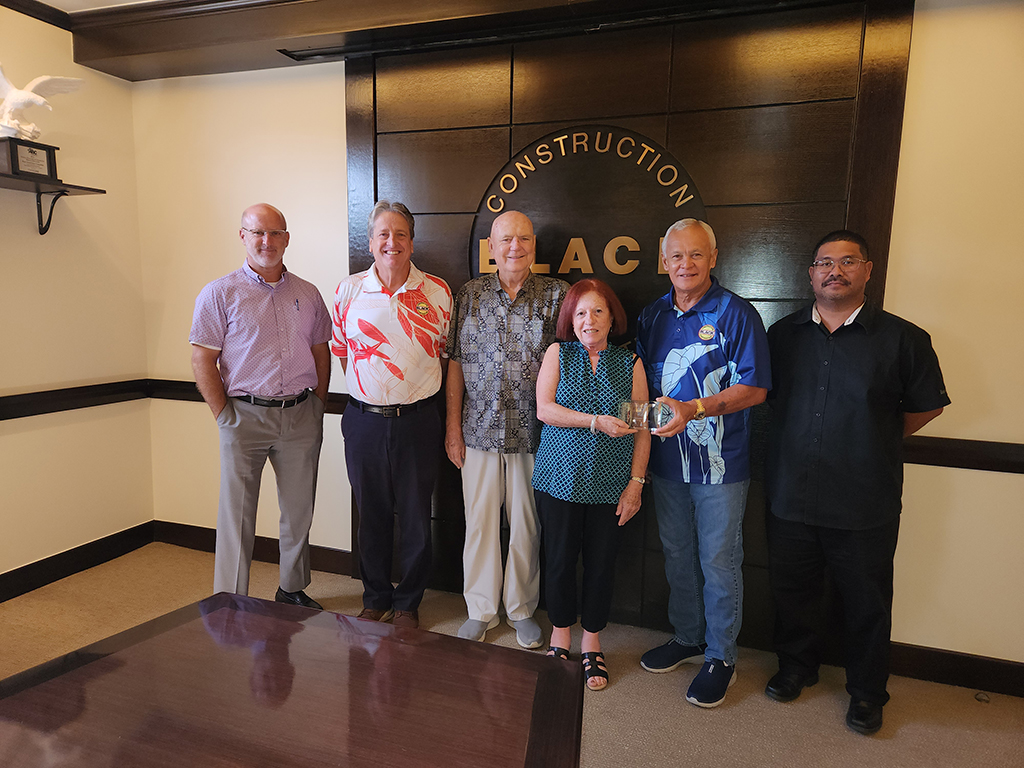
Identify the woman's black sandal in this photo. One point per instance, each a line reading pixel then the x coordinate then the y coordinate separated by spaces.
pixel 558 653
pixel 594 669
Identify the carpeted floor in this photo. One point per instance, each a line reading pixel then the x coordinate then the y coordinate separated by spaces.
pixel 641 719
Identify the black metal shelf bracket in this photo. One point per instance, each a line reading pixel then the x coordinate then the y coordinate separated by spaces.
pixel 44 228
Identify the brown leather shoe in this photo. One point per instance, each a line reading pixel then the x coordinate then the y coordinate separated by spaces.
pixel 374 614
pixel 407 619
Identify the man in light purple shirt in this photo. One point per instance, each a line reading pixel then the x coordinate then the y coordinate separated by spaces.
pixel 262 363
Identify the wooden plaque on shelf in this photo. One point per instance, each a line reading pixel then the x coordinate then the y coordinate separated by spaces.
pixel 28 159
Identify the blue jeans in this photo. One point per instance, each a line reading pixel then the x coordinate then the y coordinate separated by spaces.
pixel 701 529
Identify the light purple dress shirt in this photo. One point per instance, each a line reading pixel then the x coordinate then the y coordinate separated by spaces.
pixel 264 333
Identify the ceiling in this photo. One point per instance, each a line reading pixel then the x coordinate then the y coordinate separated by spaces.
pixel 70 6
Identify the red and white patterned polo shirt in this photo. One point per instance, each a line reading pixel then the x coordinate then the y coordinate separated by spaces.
pixel 392 344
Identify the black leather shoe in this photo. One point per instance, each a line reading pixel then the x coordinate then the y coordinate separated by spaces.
pixel 787 684
pixel 864 716
pixel 297 598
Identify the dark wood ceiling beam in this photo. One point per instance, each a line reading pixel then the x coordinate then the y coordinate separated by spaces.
pixel 192 37
pixel 39 11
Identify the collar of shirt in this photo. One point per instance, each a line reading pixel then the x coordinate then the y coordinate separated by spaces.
pixel 849 321
pixel 372 283
pixel 495 282
pixel 253 275
pixel 706 303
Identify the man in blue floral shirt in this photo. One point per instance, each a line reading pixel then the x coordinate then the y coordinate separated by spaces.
pixel 501 326
pixel 706 356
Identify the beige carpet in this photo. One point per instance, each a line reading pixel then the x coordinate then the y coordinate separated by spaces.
pixel 639 720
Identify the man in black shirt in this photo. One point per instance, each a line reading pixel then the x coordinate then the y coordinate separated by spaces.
pixel 849 381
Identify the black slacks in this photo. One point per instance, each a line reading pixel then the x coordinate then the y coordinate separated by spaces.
pixel 392 466
pixel 566 528
pixel 860 564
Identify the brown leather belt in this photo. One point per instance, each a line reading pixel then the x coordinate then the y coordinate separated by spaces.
pixel 273 403
pixel 390 411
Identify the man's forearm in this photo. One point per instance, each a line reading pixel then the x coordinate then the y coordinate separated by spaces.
pixel 454 390
pixel 208 380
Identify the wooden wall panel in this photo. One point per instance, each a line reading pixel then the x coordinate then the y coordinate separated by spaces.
pixel 444 89
pixel 441 246
pixel 594 76
pixel 764 250
pixel 795 153
pixel 440 171
pixel 772 311
pixel 775 58
pixel 361 145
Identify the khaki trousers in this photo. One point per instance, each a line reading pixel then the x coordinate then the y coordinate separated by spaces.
pixel 491 482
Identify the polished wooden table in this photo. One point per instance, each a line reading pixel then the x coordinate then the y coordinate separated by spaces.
pixel 236 681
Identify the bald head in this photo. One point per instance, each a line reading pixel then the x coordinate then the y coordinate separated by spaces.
pixel 513 246
pixel 262 211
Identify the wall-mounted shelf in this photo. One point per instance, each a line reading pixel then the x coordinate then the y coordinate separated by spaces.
pixel 45 187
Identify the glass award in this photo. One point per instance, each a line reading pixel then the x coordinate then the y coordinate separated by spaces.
pixel 640 414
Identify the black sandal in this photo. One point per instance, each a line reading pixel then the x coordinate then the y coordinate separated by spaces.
pixel 594 669
pixel 558 653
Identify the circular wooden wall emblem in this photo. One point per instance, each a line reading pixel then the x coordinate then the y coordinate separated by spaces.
pixel 600 198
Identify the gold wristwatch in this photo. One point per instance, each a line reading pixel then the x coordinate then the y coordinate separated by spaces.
pixel 701 411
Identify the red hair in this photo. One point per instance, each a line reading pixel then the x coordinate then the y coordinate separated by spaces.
pixel 564 331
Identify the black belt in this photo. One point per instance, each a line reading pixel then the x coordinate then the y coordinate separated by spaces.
pixel 273 403
pixel 390 411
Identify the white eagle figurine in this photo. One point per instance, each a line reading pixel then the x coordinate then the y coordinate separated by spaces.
pixel 32 95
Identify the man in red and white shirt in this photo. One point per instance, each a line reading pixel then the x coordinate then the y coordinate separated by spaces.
pixel 390 330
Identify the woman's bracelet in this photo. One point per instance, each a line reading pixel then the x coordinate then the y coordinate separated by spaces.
pixel 593 425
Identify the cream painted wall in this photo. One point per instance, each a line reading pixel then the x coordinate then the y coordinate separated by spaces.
pixel 956 269
pixel 70 478
pixel 72 300
pixel 206 148
pixel 72 313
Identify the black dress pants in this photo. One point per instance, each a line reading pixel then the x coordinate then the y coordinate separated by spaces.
pixel 566 528
pixel 392 467
pixel 860 564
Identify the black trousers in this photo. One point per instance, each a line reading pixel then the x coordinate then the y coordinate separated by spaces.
pixel 566 528
pixel 392 466
pixel 860 564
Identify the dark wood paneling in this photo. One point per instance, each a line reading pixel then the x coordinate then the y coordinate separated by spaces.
pixel 59 566
pixel 804 55
pixel 460 88
pixel 40 11
pixel 764 250
pixel 440 171
pixel 755 540
pixel 771 311
pixel 758 624
pixel 796 153
pixel 594 76
pixel 441 246
pixel 627 592
pixel 652 126
pixel 361 147
pixel 654 610
pixel 876 143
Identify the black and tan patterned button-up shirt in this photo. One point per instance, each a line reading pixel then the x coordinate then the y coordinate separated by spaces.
pixel 500 344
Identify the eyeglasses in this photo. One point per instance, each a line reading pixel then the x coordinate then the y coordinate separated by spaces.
pixel 846 264
pixel 272 233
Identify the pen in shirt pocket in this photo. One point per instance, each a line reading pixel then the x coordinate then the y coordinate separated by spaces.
pixel 296 305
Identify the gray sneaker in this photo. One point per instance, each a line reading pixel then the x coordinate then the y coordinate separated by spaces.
pixel 474 629
pixel 671 655
pixel 528 633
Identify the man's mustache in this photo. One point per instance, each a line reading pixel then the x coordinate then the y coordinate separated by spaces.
pixel 835 279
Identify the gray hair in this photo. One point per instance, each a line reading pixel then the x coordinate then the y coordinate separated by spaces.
pixel 682 224
pixel 386 206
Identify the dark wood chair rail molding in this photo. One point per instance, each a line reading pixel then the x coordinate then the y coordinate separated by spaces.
pixel 73 398
pixel 933 451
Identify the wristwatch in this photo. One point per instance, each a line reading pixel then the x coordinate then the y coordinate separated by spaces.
pixel 701 411
pixel 640 480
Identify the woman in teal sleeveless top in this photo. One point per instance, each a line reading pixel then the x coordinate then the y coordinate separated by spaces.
pixel 590 465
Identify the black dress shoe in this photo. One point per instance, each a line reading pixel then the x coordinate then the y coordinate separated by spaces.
pixel 787 684
pixel 297 598
pixel 864 716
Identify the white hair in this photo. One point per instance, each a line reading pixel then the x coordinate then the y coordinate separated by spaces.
pixel 682 224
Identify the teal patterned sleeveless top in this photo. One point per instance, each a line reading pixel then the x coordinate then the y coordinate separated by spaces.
pixel 573 464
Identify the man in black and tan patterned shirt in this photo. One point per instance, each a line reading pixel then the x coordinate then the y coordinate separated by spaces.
pixel 501 325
